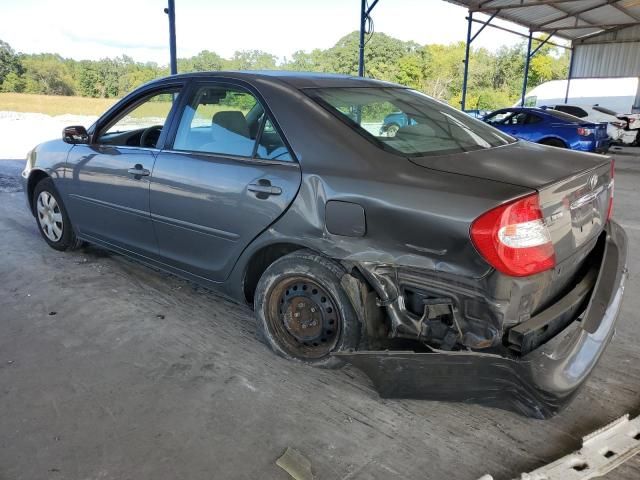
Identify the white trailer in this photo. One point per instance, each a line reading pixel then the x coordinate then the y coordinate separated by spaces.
pixel 618 94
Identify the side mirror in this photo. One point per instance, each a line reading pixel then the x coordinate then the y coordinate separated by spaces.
pixel 75 135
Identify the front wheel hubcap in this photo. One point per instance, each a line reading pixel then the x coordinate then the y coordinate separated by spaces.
pixel 304 318
pixel 49 216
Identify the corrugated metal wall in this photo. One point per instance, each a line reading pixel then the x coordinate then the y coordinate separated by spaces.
pixel 595 59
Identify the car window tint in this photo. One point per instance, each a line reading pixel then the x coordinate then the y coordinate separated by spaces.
pixel 270 145
pixel 519 119
pixel 531 119
pixel 498 118
pixel 215 121
pixel 563 116
pixel 571 110
pixel 407 122
pixel 141 124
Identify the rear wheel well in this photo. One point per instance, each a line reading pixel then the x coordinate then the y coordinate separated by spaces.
pixel 35 178
pixel 259 263
pixel 553 142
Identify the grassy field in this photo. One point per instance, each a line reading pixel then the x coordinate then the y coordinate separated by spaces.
pixel 54 105
pixel 59 105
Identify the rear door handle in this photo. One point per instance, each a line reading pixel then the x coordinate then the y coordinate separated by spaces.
pixel 137 170
pixel 264 189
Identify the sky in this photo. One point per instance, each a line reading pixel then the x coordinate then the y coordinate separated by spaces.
pixel 94 29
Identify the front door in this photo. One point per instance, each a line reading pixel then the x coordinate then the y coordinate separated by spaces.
pixel 226 178
pixel 108 184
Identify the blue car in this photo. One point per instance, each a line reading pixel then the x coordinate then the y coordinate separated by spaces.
pixel 551 127
pixel 393 122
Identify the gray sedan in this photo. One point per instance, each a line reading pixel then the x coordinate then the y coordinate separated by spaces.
pixel 447 261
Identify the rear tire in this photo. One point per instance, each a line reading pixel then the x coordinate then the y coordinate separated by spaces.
pixel 303 312
pixel 553 142
pixel 51 217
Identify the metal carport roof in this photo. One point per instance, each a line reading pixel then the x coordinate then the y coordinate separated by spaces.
pixel 569 19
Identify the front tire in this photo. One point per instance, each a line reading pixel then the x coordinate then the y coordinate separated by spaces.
pixel 52 218
pixel 303 312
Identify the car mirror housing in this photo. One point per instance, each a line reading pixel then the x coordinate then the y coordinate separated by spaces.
pixel 76 134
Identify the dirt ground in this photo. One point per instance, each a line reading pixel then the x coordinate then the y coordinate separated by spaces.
pixel 110 370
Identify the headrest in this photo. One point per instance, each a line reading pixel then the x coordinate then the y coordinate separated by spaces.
pixel 233 121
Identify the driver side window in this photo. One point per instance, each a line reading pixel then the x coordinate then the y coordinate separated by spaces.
pixel 140 125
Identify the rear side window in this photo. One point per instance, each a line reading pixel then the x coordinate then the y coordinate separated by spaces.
pixel 228 121
pixel 407 122
pixel 270 144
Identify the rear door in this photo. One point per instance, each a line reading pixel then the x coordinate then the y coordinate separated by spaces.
pixel 226 177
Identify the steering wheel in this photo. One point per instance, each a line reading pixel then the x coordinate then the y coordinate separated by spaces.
pixel 150 136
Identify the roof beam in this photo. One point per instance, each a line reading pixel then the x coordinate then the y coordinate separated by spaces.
pixel 626 12
pixel 604 32
pixel 578 13
pixel 601 26
pixel 483 8
pixel 504 29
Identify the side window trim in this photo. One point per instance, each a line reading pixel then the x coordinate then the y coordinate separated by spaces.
pixel 188 94
pixel 256 144
pixel 112 117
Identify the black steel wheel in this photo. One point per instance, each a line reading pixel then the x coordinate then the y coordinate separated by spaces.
pixel 303 312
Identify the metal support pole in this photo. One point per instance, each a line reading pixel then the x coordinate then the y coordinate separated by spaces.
pixel 526 69
pixel 463 103
pixel 542 44
pixel 566 95
pixel 363 20
pixel 171 12
pixel 365 11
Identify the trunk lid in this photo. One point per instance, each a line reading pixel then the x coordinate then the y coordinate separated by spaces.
pixel 601 130
pixel 575 209
pixel 574 188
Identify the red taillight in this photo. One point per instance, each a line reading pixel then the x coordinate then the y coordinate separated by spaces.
pixel 514 239
pixel 611 185
pixel 584 132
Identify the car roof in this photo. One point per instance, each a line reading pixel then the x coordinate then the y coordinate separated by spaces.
pixel 544 112
pixel 295 79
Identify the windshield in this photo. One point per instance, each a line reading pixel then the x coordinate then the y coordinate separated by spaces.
pixel 407 122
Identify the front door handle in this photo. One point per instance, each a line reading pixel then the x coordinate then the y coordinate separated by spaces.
pixel 264 189
pixel 138 171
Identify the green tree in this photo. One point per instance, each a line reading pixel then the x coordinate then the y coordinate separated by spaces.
pixel 252 60
pixel 9 62
pixel 47 73
pixel 12 83
pixel 203 61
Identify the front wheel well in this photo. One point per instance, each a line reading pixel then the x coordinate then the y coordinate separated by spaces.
pixel 36 177
pixel 260 261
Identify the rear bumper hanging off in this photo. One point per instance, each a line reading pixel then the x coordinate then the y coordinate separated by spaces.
pixel 538 384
